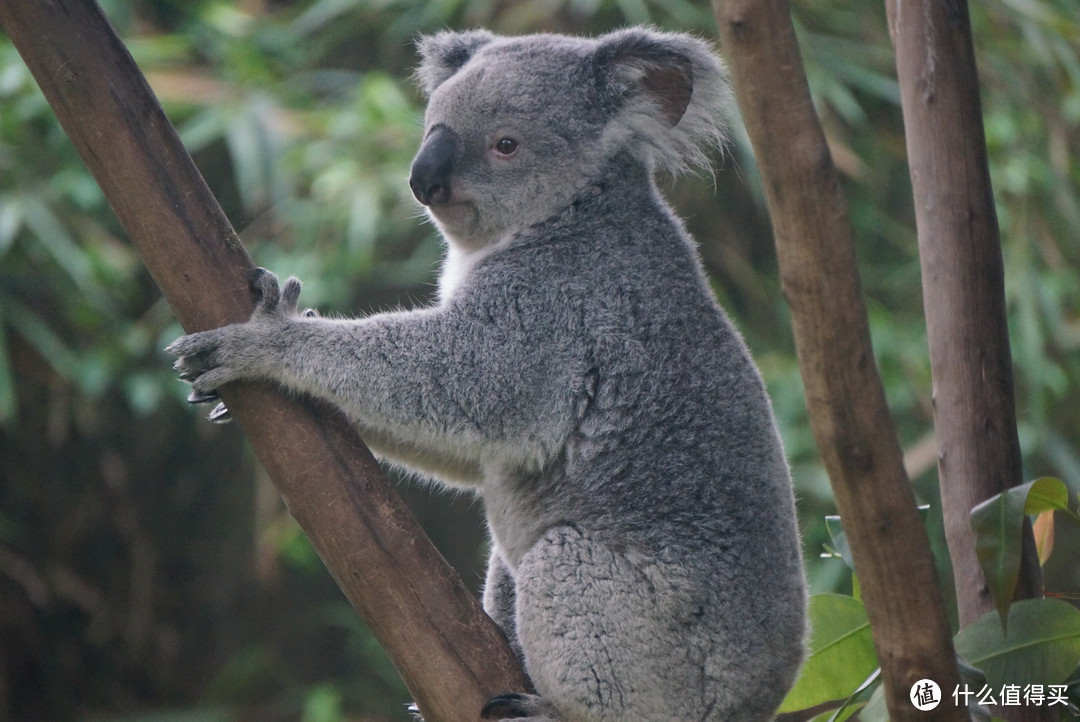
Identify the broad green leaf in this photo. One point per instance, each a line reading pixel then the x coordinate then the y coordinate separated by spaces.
pixel 841 653
pixel 856 700
pixel 1042 645
pixel 1046 494
pixel 998 523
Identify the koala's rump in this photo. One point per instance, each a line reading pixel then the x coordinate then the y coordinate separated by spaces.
pixel 604 633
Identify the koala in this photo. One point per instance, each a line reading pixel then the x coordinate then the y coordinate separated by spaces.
pixel 577 373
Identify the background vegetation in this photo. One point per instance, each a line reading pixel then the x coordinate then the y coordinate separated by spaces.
pixel 147 569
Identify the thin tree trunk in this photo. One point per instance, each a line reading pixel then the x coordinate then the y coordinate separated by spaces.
pixel 963 287
pixel 450 654
pixel 848 412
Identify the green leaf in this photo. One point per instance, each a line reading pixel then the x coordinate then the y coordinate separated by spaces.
pixel 1042 646
pixel 875 710
pixel 998 523
pixel 856 701
pixel 842 653
pixel 1047 494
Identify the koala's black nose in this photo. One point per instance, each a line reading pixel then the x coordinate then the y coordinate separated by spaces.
pixel 433 166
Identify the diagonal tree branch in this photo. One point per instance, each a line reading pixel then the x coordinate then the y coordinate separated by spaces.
pixel 844 395
pixel 450 654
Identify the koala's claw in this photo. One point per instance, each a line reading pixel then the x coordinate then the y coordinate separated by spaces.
pixel 202 397
pixel 516 706
pixel 220 415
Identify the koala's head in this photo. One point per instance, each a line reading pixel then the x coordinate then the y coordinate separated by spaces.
pixel 516 127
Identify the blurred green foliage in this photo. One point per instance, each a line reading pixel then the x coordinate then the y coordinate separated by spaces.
pixel 138 544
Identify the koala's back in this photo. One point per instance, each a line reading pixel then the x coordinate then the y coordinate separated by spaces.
pixel 673 459
pixel 675 411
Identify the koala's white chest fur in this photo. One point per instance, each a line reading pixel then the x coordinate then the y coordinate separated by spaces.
pixel 458 263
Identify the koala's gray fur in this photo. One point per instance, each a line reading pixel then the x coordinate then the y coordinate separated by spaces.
pixel 578 374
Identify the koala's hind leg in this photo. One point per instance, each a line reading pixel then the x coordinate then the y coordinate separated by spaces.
pixel 500 599
pixel 609 637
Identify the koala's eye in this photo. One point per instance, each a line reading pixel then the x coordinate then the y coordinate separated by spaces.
pixel 506 146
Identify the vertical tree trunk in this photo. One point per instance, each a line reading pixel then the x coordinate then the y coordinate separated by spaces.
pixel 963 288
pixel 963 281
pixel 848 413
pixel 450 654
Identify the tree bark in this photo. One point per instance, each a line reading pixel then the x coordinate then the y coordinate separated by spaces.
pixel 963 287
pixel 844 395
pixel 963 280
pixel 450 654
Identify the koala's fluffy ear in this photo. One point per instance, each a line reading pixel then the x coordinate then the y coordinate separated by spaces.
pixel 669 92
pixel 442 54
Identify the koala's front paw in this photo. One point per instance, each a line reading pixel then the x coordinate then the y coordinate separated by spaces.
pixel 529 707
pixel 211 359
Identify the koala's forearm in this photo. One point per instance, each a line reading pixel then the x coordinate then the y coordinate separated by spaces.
pixel 417 386
pixel 447 390
pixel 357 365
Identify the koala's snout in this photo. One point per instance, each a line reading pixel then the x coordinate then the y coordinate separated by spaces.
pixel 433 166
